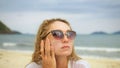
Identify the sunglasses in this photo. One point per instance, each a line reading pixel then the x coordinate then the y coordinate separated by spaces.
pixel 58 34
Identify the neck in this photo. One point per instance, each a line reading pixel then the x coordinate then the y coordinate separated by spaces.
pixel 62 62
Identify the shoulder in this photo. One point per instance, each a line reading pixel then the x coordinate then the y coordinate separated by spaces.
pixel 80 64
pixel 33 65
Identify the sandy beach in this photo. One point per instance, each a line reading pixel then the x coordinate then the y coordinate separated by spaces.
pixel 15 59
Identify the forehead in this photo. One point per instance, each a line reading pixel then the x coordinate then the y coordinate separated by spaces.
pixel 60 26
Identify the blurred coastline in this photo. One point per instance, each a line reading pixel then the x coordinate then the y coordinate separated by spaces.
pixel 107 46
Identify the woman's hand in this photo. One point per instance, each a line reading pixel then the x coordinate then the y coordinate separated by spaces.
pixel 47 54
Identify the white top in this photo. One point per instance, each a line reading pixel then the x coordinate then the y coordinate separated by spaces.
pixel 71 64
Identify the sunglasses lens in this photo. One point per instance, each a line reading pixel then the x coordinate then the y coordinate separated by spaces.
pixel 71 34
pixel 57 34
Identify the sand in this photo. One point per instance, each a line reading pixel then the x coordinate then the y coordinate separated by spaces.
pixel 15 59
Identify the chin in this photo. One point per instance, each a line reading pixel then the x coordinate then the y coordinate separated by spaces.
pixel 67 53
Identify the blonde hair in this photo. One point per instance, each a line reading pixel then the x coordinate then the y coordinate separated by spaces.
pixel 43 30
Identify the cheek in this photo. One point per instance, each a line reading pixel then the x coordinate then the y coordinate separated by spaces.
pixel 57 47
pixel 56 44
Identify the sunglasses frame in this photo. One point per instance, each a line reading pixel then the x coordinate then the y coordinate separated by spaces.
pixel 62 33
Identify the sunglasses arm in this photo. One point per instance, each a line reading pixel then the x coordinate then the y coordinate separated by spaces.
pixel 45 35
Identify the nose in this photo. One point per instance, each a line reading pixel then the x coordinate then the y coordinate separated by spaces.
pixel 65 39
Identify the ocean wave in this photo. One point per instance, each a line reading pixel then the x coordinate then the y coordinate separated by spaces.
pixel 5 44
pixel 12 44
pixel 98 57
pixel 98 49
pixel 26 44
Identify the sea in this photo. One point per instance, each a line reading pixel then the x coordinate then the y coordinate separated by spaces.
pixel 99 46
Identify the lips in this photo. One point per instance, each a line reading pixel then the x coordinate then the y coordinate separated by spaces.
pixel 65 47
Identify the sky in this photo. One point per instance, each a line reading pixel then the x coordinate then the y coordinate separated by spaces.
pixel 85 16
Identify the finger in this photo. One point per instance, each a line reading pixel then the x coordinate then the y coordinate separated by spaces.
pixel 42 48
pixel 52 52
pixel 47 47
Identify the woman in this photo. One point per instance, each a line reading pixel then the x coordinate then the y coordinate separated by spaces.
pixel 54 47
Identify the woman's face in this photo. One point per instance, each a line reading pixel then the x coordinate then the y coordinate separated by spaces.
pixel 62 47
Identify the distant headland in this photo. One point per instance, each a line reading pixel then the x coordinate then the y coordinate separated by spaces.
pixel 100 32
pixel 104 33
pixel 6 30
